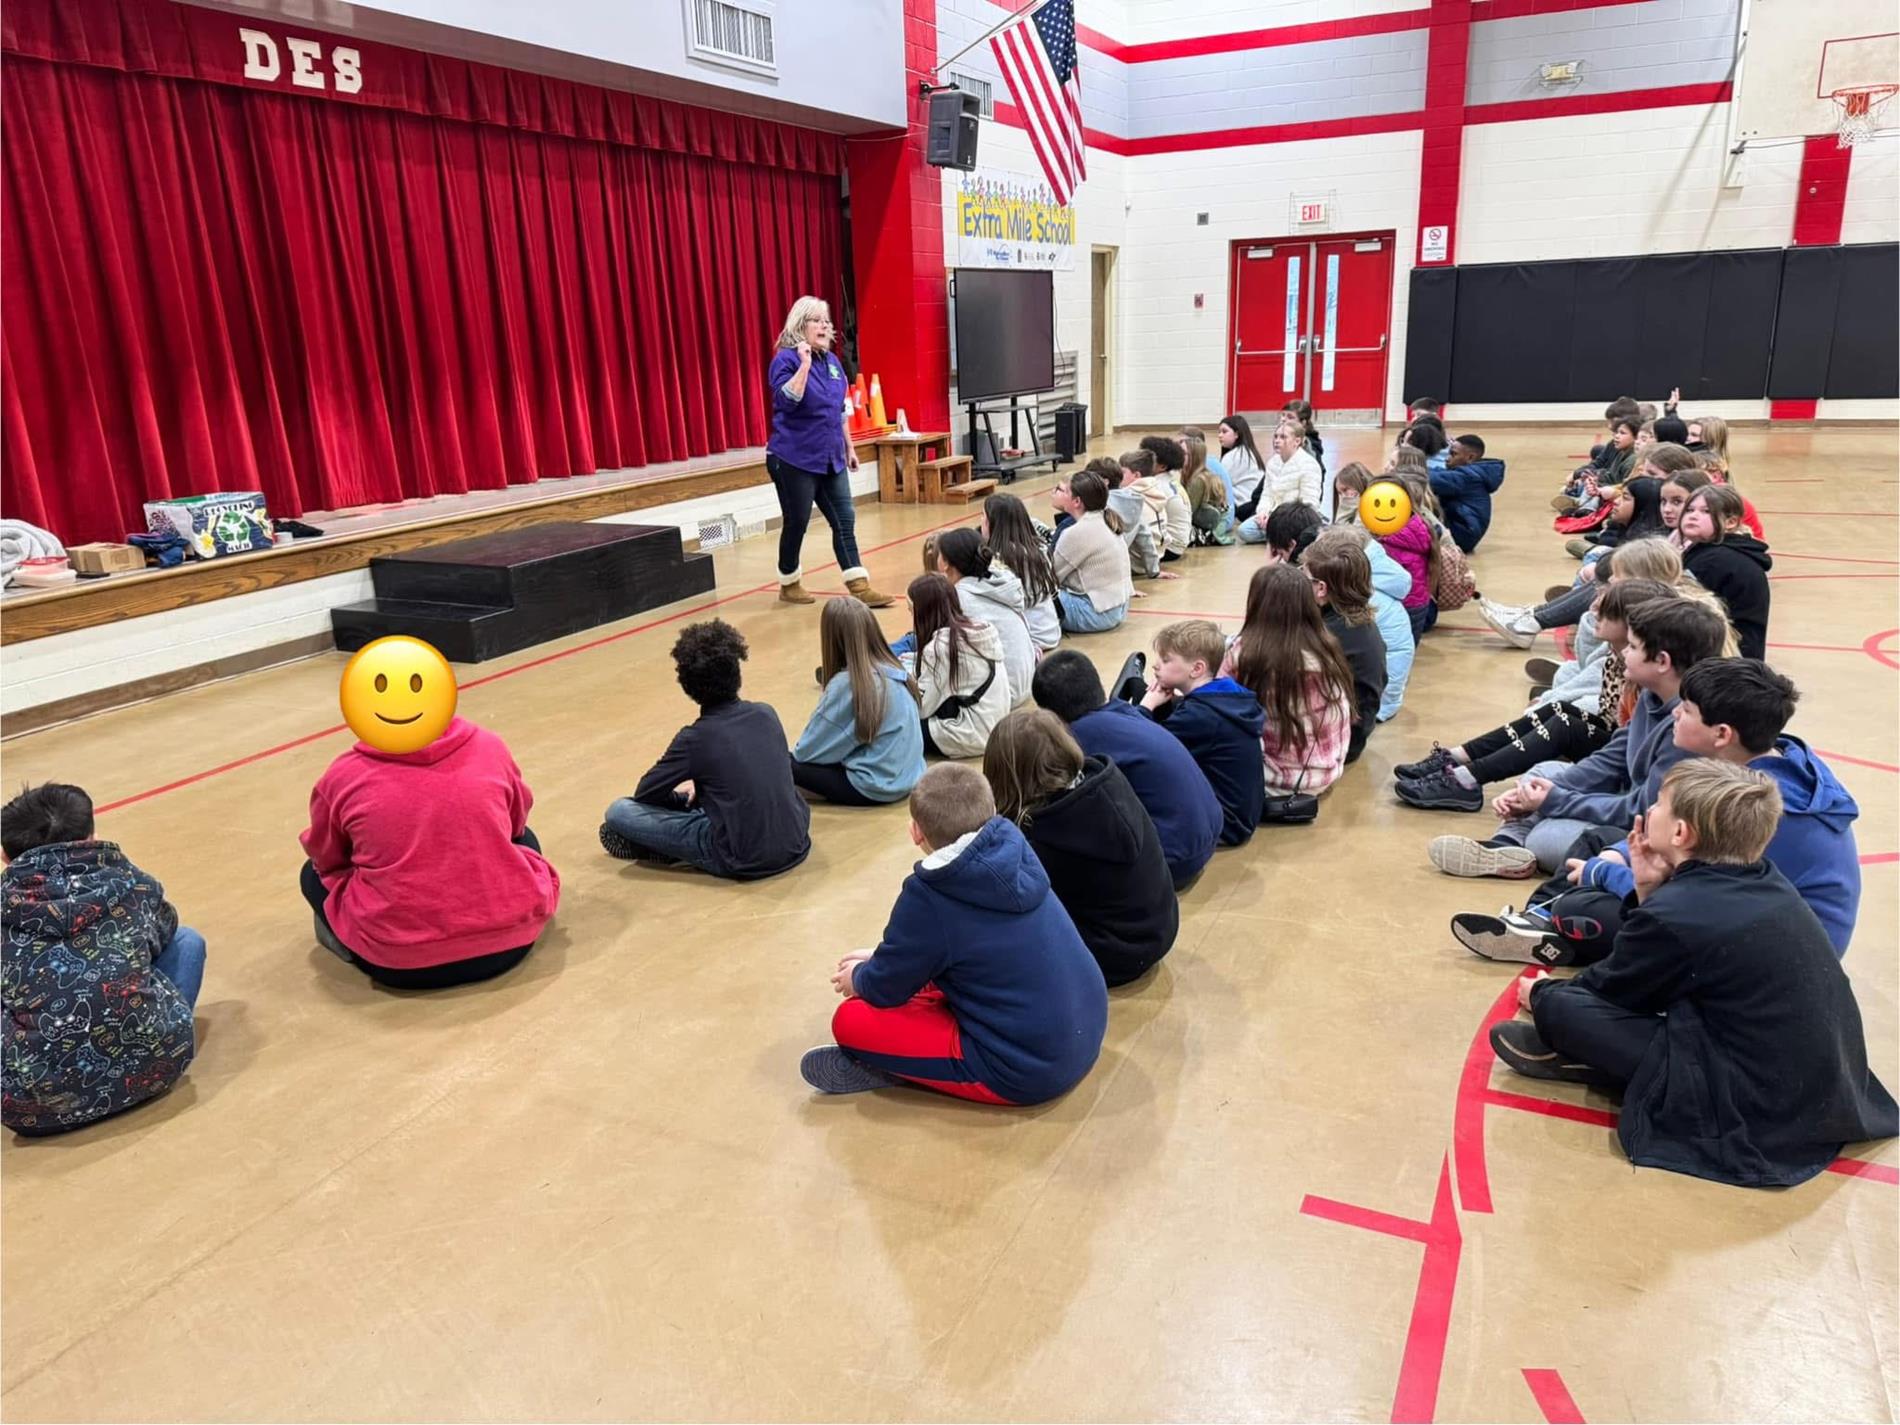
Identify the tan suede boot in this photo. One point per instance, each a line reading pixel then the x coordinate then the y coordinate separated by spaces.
pixel 861 590
pixel 793 592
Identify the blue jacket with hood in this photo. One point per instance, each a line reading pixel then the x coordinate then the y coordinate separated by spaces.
pixel 1813 846
pixel 1220 725
pixel 985 928
pixel 1464 494
pixel 1186 812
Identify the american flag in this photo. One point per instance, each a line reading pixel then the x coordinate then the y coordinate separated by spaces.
pixel 1037 57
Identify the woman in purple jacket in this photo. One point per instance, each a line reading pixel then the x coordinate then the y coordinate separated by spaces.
pixel 810 455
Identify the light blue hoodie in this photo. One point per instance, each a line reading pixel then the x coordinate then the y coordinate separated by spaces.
pixel 1390 584
pixel 883 769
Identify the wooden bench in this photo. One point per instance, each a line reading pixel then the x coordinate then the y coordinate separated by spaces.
pixel 945 481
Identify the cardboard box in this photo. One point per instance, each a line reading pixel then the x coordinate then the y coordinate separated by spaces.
pixel 214 524
pixel 105 558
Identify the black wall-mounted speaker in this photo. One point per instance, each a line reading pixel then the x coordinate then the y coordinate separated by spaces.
pixel 951 141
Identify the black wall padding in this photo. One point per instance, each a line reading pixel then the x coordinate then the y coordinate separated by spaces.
pixel 1603 346
pixel 1512 332
pixel 1804 327
pixel 1428 332
pixel 1865 361
pixel 1739 335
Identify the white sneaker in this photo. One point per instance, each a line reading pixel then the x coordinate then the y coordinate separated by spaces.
pixel 1462 856
pixel 1520 629
pixel 1507 612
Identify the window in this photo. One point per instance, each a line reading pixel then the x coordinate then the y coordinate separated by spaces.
pixel 970 84
pixel 735 33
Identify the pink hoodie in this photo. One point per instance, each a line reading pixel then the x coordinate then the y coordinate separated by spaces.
pixel 1411 547
pixel 416 851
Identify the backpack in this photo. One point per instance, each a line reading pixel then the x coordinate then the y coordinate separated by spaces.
pixel 1454 586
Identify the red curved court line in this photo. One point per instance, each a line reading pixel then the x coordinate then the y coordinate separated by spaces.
pixel 1871 647
pixel 1857 761
pixel 556 657
pixel 1467 1122
pixel 1553 1397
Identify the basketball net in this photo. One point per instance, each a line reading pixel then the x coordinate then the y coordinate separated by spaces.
pixel 1860 106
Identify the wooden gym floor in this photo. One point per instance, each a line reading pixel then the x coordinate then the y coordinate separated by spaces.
pixel 597 1188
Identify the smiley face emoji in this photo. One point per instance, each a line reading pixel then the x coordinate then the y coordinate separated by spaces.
pixel 1385 508
pixel 397 694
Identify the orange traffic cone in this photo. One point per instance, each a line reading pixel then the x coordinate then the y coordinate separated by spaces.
pixel 860 421
pixel 877 404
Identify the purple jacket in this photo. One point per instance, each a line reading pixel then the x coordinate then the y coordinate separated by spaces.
pixel 1411 546
pixel 809 433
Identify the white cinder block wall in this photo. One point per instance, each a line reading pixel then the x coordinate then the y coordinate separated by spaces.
pixel 1637 181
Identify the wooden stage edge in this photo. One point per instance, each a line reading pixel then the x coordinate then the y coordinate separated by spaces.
pixel 90 603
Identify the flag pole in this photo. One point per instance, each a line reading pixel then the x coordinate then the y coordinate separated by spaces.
pixel 1001 24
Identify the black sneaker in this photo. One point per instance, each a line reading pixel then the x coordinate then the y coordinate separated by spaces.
pixel 1440 792
pixel 1521 1047
pixel 1541 670
pixel 1511 938
pixel 1436 761
pixel 1131 684
pixel 621 849
pixel 830 1069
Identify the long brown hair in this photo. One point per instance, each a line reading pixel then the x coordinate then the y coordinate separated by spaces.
pixel 1013 540
pixel 933 608
pixel 1339 561
pixel 1283 634
pixel 1091 492
pixel 1031 757
pixel 850 641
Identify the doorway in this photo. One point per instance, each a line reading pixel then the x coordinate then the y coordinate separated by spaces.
pixel 1311 319
pixel 1101 337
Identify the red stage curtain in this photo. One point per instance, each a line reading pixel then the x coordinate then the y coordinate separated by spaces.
pixel 205 286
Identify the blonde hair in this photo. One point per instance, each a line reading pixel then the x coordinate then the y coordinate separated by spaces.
pixel 949 801
pixel 1194 449
pixel 850 641
pixel 1406 460
pixel 1646 559
pixel 1714 436
pixel 1194 639
pixel 1030 759
pixel 805 309
pixel 1733 810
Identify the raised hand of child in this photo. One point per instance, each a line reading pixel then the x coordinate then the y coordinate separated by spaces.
pixel 1647 864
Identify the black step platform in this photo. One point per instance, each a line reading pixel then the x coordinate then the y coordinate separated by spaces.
pixel 477 599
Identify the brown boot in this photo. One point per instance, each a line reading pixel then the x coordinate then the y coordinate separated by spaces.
pixel 794 593
pixel 860 589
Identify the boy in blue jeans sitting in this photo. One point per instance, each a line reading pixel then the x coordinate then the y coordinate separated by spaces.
pixel 99 978
pixel 721 798
pixel 981 987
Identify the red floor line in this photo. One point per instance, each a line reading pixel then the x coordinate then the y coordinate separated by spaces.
pixel 1881 858
pixel 1783 578
pixel 1346 1214
pixel 1821 647
pixel 1861 1168
pixel 1787 480
pixel 1553 1397
pixel 1550 1108
pixel 1834 558
pixel 1181 613
pixel 1871 647
pixel 1831 514
pixel 556 657
pixel 1857 761
pixel 1467 1124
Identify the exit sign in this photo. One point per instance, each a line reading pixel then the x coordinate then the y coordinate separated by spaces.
pixel 1313 210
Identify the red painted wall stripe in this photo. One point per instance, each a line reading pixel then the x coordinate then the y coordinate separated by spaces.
pixel 1621 102
pixel 1441 155
pixel 1820 200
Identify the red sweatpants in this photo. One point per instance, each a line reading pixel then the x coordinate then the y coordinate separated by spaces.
pixel 919 1040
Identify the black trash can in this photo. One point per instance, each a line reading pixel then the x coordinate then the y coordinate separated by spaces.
pixel 1072 429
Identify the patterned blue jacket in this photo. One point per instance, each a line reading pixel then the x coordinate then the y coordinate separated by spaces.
pixel 91 1027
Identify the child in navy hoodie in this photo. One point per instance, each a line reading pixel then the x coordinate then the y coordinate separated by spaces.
pixel 1217 720
pixel 1464 489
pixel 980 988
pixel 1176 793
pixel 1733 710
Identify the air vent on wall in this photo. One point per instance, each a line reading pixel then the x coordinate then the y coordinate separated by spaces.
pixel 734 33
pixel 970 84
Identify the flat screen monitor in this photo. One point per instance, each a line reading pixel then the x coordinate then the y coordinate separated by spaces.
pixel 1006 333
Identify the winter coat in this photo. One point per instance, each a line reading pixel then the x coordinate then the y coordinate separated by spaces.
pixel 1219 723
pixel 1390 585
pixel 1105 864
pixel 1298 478
pixel 1736 572
pixel 1175 791
pixel 1411 546
pixel 977 700
pixel 417 853
pixel 979 922
pixel 1464 494
pixel 91 1027
pixel 998 601
pixel 1757 1074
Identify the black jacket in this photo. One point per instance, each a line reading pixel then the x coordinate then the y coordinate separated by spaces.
pixel 741 770
pixel 1220 725
pixel 1105 864
pixel 1759 1074
pixel 1365 651
pixel 1736 572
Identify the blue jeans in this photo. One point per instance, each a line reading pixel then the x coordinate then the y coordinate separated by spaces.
pixel 183 963
pixel 906 644
pixel 1251 532
pixel 797 489
pixel 1078 615
pixel 684 835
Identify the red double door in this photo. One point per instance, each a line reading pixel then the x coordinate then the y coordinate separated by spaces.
pixel 1310 319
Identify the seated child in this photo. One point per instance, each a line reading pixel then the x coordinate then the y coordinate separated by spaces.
pixel 422 871
pixel 962 682
pixel 1172 513
pixel 721 797
pixel 1094 838
pixel 1733 710
pixel 980 988
pixel 1291 475
pixel 990 594
pixel 1176 793
pixel 1464 489
pixel 1090 560
pixel 99 977
pixel 1302 679
pixel 864 744
pixel 1390 583
pixel 1210 498
pixel 1218 721
pixel 1342 582
pixel 1728 563
pixel 1014 548
pixel 1141 520
pixel 1556 802
pixel 1722 1015
pixel 1414 546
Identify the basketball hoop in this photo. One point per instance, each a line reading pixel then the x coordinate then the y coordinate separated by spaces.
pixel 1860 106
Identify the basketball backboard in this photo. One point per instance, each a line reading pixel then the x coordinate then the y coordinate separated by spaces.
pixel 1798 52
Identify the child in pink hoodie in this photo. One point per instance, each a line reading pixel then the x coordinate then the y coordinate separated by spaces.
pixel 1414 548
pixel 422 871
